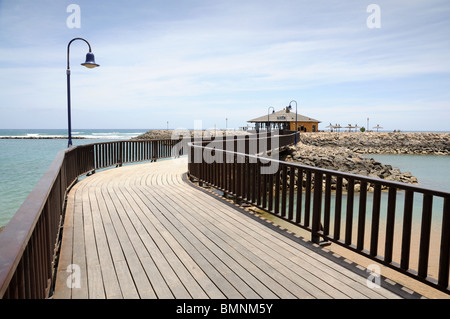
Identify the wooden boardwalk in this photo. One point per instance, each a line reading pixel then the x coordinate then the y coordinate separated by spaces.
pixel 143 231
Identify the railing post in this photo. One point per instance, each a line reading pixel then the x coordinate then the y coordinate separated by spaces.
pixel 406 232
pixel 425 232
pixel 375 220
pixel 445 246
pixel 317 208
pixel 120 155
pixel 362 215
pixel 299 195
pixel 390 223
pixel 349 211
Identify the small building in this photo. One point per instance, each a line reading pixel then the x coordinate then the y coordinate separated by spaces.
pixel 285 120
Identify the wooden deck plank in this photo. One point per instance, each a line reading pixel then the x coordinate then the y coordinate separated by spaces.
pixel 124 277
pixel 202 207
pixel 223 256
pixel 158 180
pixel 95 279
pixel 79 250
pixel 181 232
pixel 170 246
pixel 209 262
pixel 234 227
pixel 190 283
pixel 295 259
pixel 166 228
pixel 110 280
pixel 343 278
pixel 230 239
pixel 259 257
pixel 314 279
pixel 292 254
pixel 133 251
pixel 244 257
pixel 145 246
pixel 291 269
pixel 62 287
pixel 143 231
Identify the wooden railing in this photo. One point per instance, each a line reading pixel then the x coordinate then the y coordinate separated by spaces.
pixel 402 226
pixel 30 241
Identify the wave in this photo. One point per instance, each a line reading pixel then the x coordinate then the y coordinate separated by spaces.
pixel 61 134
pixel 112 135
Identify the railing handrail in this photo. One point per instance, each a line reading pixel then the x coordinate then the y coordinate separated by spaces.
pixel 18 231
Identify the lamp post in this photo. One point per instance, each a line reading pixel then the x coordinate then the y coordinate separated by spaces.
pixel 268 121
pixel 296 128
pixel 89 63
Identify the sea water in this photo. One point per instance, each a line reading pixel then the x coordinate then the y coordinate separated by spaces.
pixel 24 160
pixel 432 171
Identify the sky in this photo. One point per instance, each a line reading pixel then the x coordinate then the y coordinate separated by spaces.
pixel 222 62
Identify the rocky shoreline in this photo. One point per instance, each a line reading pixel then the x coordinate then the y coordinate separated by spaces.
pixel 382 143
pixel 345 160
pixel 343 152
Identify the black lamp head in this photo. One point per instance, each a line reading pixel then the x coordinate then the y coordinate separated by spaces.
pixel 90 61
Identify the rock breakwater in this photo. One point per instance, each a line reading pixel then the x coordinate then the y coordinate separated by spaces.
pixel 343 152
pixel 154 135
pixel 382 143
pixel 345 160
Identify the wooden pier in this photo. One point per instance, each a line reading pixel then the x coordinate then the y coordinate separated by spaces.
pixel 93 228
pixel 144 231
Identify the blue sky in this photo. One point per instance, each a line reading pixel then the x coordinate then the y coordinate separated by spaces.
pixel 182 61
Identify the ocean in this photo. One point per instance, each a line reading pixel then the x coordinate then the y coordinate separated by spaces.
pixel 107 134
pixel 432 171
pixel 24 161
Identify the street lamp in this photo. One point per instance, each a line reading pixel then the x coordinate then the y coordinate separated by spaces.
pixel 296 128
pixel 89 63
pixel 268 121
